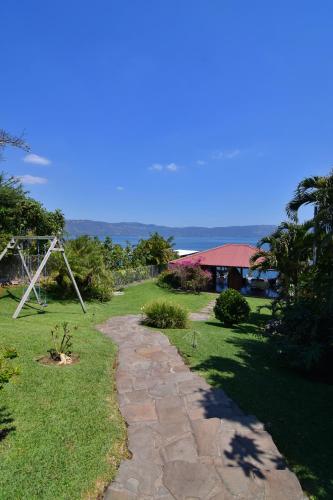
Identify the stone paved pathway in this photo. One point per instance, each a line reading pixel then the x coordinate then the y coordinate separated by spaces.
pixel 188 441
pixel 205 313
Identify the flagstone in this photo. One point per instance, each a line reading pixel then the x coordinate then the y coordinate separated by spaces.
pixel 187 440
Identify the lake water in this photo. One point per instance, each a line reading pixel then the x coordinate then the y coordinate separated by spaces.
pixel 189 243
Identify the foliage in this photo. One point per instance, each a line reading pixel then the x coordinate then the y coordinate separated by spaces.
pixel 116 256
pixel 303 255
pixel 21 214
pixel 123 277
pixel 289 252
pixel 87 260
pixel 99 266
pixel 305 336
pixel 61 341
pixel 187 277
pixel 164 314
pixel 169 279
pixel 231 307
pixel 156 250
pixel 6 369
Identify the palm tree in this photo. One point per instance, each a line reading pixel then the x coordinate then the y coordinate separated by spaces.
pixel 316 191
pixel 289 249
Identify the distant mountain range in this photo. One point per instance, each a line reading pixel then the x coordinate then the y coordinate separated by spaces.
pixel 136 229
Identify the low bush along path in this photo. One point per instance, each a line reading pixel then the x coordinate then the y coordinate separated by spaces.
pixel 187 440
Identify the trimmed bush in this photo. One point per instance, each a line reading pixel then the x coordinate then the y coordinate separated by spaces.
pixel 231 308
pixel 163 314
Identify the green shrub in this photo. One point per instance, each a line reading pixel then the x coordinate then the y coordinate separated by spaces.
pixel 304 336
pixel 188 277
pixel 231 308
pixel 163 314
pixel 6 369
pixel 169 279
pixel 87 260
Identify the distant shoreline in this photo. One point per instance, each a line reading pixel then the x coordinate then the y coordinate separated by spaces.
pixel 201 237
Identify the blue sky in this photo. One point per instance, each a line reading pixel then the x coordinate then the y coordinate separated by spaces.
pixel 178 112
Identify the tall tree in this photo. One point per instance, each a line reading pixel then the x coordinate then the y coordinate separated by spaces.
pixel 316 191
pixel 156 250
pixel 289 251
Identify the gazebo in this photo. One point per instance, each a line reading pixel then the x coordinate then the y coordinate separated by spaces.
pixel 226 263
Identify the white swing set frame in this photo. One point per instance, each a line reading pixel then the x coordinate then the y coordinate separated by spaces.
pixel 55 245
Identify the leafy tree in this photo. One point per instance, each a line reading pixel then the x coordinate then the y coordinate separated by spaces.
pixel 156 250
pixel 21 214
pixel 116 256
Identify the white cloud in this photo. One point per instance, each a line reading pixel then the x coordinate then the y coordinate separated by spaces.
pixel 225 155
pixel 172 167
pixel 31 179
pixel 120 188
pixel 158 167
pixel 36 159
pixel 201 162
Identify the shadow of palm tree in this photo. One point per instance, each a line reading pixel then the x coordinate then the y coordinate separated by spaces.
pixel 287 404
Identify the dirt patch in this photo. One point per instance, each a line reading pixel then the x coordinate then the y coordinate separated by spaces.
pixel 46 360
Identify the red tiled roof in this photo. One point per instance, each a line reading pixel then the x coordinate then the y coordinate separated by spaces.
pixel 230 255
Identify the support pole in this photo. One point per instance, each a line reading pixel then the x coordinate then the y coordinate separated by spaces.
pixel 9 246
pixel 73 280
pixel 27 271
pixel 35 278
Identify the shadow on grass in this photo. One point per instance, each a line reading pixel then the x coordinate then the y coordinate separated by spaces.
pixel 297 413
pixel 31 309
pixel 6 422
pixel 254 325
pixel 17 299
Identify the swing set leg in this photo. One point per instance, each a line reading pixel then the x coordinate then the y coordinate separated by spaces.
pixel 34 279
pixel 27 272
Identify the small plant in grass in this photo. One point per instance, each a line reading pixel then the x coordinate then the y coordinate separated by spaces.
pixel 231 308
pixel 61 349
pixel 163 314
pixel 6 370
pixel 193 338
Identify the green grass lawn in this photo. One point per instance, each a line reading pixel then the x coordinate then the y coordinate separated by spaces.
pixel 297 412
pixel 64 435
pixel 61 435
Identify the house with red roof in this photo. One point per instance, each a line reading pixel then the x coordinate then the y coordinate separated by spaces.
pixel 226 263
